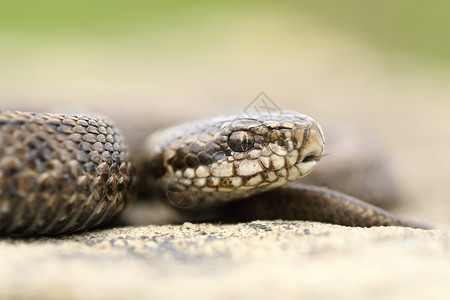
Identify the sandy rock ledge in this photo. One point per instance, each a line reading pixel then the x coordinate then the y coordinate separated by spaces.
pixel 260 259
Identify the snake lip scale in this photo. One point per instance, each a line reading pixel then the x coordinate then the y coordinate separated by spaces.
pixel 62 173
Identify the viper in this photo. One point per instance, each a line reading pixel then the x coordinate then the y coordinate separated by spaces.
pixel 62 173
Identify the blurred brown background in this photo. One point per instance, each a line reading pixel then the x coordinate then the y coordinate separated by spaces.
pixel 381 66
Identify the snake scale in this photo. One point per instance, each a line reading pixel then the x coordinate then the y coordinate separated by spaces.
pixel 62 173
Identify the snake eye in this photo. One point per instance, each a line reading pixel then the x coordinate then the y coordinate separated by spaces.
pixel 241 141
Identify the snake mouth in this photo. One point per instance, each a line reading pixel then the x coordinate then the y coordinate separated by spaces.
pixel 311 150
pixel 307 165
pixel 311 158
pixel 314 157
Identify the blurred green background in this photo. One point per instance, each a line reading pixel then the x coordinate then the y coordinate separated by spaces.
pixel 187 53
pixel 420 28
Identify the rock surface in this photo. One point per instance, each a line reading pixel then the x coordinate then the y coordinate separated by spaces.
pixel 260 260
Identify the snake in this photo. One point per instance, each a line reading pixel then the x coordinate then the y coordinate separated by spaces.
pixel 63 173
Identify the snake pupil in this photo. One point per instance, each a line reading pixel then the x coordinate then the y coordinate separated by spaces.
pixel 241 141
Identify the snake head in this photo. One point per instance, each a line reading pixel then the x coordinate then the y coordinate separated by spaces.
pixel 232 157
pixel 272 150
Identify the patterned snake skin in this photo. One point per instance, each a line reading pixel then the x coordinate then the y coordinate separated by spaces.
pixel 60 173
pixel 65 173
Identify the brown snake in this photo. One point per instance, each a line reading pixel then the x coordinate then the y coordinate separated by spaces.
pixel 65 173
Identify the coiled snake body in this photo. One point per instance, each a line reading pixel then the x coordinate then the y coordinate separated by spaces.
pixel 65 173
